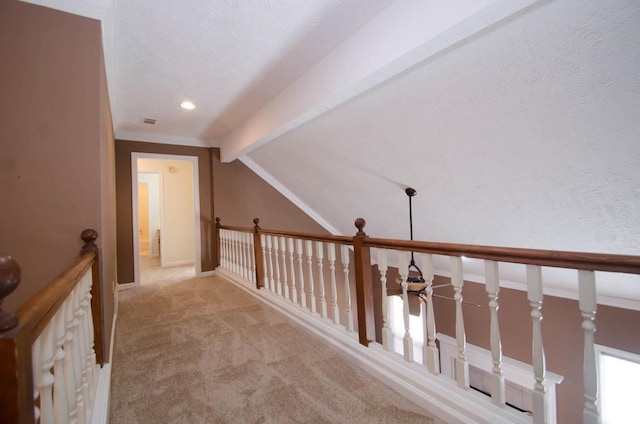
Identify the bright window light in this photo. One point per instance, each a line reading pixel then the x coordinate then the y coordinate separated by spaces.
pixel 619 373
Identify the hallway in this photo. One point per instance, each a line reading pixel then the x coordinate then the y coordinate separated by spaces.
pixel 200 350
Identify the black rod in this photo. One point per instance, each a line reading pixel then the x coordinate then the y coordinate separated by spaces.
pixel 410 193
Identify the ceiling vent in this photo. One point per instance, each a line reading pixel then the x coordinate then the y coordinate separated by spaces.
pixel 149 121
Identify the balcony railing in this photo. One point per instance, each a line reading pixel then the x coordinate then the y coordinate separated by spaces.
pixel 330 279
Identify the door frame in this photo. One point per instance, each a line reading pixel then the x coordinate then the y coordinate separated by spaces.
pixel 134 207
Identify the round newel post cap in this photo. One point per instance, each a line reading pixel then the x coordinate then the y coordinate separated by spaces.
pixel 217 221
pixel 89 236
pixel 360 223
pixel 10 275
pixel 256 222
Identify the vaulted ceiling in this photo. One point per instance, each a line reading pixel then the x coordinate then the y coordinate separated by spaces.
pixel 515 120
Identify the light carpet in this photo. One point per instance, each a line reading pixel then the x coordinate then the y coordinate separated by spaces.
pixel 201 350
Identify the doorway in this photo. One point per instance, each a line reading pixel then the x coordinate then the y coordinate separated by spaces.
pixel 165 212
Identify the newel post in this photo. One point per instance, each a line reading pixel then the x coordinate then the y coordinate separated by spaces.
pixel 16 389
pixel 364 285
pixel 217 241
pixel 257 251
pixel 89 236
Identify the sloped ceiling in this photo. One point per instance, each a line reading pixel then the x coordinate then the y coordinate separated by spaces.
pixel 517 121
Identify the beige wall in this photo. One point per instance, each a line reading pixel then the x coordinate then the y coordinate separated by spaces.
pixel 57 145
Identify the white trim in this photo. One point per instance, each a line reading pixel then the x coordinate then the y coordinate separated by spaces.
pixel 437 394
pixel 616 353
pixel 126 286
pixel 100 413
pixel 208 274
pixel 178 263
pixel 134 207
pixel 262 173
pixel 513 370
pixel 149 137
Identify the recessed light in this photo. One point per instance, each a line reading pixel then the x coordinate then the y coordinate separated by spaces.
pixel 187 105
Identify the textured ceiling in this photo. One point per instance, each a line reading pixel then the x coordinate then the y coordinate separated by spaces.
pixel 516 120
pixel 228 57
pixel 527 135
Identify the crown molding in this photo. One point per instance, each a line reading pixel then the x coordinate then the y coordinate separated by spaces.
pixel 148 137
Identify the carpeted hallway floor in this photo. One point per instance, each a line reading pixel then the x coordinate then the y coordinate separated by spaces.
pixel 201 350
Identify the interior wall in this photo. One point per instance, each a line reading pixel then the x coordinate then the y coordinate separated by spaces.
pixel 153 181
pixel 124 201
pixel 241 195
pixel 178 215
pixel 56 146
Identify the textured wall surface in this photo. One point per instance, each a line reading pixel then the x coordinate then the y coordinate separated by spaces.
pixel 524 136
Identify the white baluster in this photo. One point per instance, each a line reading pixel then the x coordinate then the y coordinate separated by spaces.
pixel 59 391
pixel 461 364
pixel 382 268
pixel 227 250
pixel 46 340
pixel 69 361
pixel 244 269
pixel 277 265
pixel 91 357
pixel 331 254
pixel 36 364
pixel 430 350
pixel 86 354
pixel 320 258
pixel 299 253
pixel 263 243
pixel 535 294
pixel 290 252
pixel 344 250
pixel 236 253
pixel 407 341
pixel 272 283
pixel 312 295
pixel 79 353
pixel 587 296
pixel 493 288
pixel 252 259
pixel 283 251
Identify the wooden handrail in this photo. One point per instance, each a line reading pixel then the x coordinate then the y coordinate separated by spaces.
pixel 553 258
pixel 19 331
pixel 306 236
pixel 39 309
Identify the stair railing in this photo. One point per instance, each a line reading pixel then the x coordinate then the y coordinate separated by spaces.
pixel 51 348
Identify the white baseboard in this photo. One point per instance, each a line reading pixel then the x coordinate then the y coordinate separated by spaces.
pixel 207 274
pixel 437 394
pixel 178 263
pixel 126 286
pixel 100 413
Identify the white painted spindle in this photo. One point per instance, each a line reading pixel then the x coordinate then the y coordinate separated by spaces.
pixel 299 253
pixel 331 254
pixel 461 364
pixel 320 259
pixel 79 347
pixel 312 295
pixel 283 251
pixel 587 296
pixel 407 341
pixel 382 268
pixel 493 287
pixel 430 349
pixel 276 254
pixel 344 254
pixel 535 294
pixel 59 391
pixel 36 366
pixel 69 362
pixel 46 341
pixel 292 271
pixel 272 283
pixel 263 244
